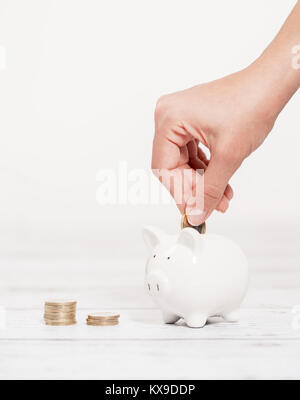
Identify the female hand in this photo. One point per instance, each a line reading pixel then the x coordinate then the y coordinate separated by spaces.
pixel 230 116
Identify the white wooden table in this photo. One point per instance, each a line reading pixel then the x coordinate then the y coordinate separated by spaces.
pixel 264 344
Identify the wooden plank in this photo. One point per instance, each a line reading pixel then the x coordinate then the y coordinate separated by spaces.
pixel 69 273
pixel 143 324
pixel 128 296
pixel 150 360
pixel 262 345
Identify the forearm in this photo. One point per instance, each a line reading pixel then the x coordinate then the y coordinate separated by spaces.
pixel 278 67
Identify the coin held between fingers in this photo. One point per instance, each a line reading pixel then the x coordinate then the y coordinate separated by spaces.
pixel 185 224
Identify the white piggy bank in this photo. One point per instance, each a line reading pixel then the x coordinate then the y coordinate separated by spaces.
pixel 194 276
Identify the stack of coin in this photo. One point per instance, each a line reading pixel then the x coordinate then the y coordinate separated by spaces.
pixel 185 224
pixel 60 312
pixel 103 319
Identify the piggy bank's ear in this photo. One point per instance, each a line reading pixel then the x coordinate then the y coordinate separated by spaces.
pixel 189 238
pixel 152 236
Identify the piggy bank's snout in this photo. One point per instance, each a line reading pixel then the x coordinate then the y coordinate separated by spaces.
pixel 156 284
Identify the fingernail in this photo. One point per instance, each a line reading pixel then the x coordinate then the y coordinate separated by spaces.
pixel 195 216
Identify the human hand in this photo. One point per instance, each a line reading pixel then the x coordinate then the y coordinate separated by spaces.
pixel 231 117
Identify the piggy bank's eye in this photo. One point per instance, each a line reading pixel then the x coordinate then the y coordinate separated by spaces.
pixel 154 256
pixel 168 258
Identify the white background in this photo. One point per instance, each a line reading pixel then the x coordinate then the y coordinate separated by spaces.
pixel 78 94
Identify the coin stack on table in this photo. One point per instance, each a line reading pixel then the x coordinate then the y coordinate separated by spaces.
pixel 103 319
pixel 60 312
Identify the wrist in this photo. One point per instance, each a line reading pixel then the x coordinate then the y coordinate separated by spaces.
pixel 275 80
pixel 277 69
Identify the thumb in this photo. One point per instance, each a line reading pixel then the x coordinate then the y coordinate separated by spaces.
pixel 216 178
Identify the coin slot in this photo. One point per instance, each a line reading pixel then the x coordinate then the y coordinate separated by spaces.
pixel 149 286
pixel 157 286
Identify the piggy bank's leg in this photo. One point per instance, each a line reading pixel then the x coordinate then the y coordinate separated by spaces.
pixel 196 320
pixel 232 316
pixel 170 318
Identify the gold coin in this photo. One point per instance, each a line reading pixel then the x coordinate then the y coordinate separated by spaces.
pixel 61 302
pixel 59 317
pixel 60 307
pixel 104 323
pixel 60 323
pixel 103 315
pixel 98 322
pixel 185 224
pixel 58 312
